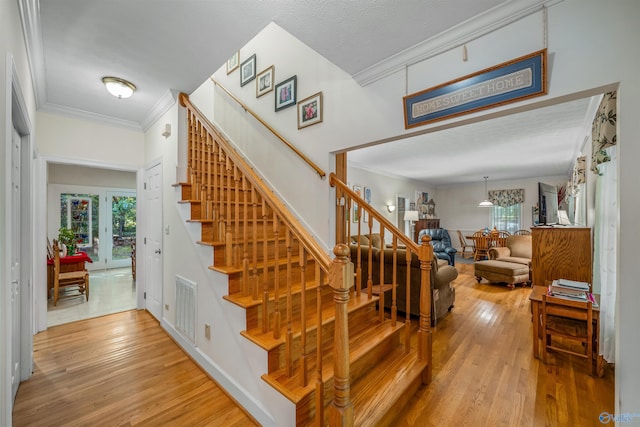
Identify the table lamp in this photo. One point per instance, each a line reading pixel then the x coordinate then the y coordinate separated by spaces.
pixel 411 216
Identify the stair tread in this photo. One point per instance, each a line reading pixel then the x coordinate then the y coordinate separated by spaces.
pixel 268 342
pixel 375 393
pixel 359 345
pixel 248 301
pixel 229 269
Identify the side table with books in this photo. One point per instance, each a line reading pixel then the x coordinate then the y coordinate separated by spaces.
pixel 536 305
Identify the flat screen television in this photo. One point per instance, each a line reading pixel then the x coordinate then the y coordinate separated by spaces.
pixel 548 204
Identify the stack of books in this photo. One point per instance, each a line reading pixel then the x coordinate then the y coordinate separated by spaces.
pixel 570 289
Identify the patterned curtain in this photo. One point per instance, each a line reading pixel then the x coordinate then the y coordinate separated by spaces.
pixel 578 176
pixel 506 198
pixel 603 130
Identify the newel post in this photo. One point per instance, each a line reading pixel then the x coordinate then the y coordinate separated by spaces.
pixel 341 280
pixel 425 255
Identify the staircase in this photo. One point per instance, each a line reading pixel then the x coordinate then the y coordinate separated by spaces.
pixel 332 350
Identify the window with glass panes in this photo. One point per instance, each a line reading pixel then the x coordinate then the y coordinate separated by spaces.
pixel 507 218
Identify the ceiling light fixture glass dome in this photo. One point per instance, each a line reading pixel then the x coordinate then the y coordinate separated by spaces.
pixel 485 203
pixel 118 87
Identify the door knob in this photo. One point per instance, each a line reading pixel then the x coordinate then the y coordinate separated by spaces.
pixel 158 251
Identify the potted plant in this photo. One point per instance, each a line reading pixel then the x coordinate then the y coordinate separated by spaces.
pixel 68 238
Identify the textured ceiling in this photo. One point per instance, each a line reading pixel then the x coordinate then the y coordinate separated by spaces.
pixel 178 44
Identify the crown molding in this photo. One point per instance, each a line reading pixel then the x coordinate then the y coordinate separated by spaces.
pixel 456 36
pixel 77 113
pixel 162 106
pixel 30 18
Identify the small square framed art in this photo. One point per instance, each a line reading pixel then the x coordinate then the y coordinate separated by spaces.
pixel 286 92
pixel 248 70
pixel 310 110
pixel 264 81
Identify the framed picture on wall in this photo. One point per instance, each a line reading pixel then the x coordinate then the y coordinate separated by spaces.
pixel 264 81
pixel 286 93
pixel 248 70
pixel 310 111
pixel 233 63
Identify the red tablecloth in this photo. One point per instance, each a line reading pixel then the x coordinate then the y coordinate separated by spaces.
pixel 70 259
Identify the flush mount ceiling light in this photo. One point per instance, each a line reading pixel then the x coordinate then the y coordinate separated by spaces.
pixel 119 88
pixel 485 203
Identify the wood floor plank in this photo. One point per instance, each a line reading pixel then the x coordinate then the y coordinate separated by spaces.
pixel 484 372
pixel 120 370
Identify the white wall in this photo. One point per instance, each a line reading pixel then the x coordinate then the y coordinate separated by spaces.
pixel 384 191
pixel 591 48
pixel 458 209
pixel 88 142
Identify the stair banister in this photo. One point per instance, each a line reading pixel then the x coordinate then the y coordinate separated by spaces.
pixel 317 252
pixel 307 160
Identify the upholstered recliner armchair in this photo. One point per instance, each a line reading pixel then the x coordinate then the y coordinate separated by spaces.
pixel 441 242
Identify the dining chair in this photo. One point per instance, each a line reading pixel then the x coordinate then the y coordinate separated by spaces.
pixel 571 323
pixel 71 280
pixel 522 233
pixel 481 245
pixel 463 243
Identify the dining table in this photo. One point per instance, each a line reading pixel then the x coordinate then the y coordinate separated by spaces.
pixel 491 239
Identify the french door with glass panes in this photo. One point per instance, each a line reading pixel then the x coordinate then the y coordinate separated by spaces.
pixel 104 223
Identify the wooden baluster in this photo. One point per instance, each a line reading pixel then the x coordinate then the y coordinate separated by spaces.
pixel 236 226
pixel 370 262
pixel 394 281
pixel 245 239
pixel 216 192
pixel 341 276
pixel 303 316
pixel 407 321
pixel 276 277
pixel 227 224
pixel 209 177
pixel 289 319
pixel 425 255
pixel 265 270
pixel 319 382
pixel 359 259
pixel 382 280
pixel 192 144
pixel 254 208
pixel 196 160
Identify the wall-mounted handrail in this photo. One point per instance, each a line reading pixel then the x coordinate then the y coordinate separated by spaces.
pixel 310 162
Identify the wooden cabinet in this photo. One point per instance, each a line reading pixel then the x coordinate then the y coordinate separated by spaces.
pixel 561 253
pixel 425 223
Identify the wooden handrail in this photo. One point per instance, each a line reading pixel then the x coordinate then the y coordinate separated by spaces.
pixel 334 181
pixel 310 162
pixel 315 250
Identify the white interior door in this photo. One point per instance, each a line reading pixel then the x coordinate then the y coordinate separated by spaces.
pixel 153 240
pixel 15 263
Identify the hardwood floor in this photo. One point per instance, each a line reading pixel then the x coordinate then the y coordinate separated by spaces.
pixel 122 369
pixel 484 372
pixel 119 370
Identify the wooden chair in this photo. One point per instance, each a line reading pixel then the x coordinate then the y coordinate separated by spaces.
pixel 522 233
pixel 499 238
pixel 73 280
pixel 463 243
pixel 481 245
pixel 571 322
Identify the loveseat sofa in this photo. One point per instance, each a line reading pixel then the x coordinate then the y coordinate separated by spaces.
pixel 442 292
pixel 441 242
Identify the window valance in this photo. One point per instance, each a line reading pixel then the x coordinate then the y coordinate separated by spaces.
pixel 603 130
pixel 506 198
